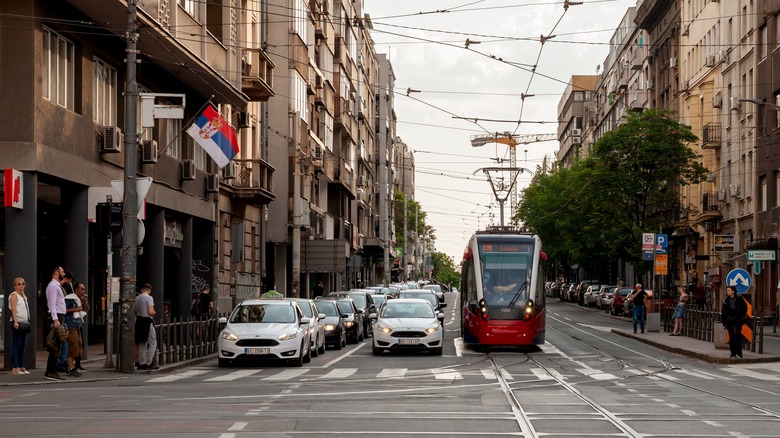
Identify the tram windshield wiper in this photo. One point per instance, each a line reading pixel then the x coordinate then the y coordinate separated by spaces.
pixel 517 295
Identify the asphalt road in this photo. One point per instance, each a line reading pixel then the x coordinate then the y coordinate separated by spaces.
pixel 586 381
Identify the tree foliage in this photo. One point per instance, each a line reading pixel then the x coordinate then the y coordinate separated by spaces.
pixel 444 269
pixel 597 209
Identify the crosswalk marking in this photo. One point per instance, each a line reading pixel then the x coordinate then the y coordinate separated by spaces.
pixel 178 376
pixel 288 374
pixel 491 375
pixel 392 372
pixel 235 375
pixel 541 374
pixel 749 373
pixel 596 374
pixel 447 375
pixel 339 373
pixel 698 374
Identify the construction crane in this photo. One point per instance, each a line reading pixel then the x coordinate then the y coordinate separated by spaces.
pixel 511 140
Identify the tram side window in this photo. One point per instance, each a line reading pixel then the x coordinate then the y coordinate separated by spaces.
pixel 540 295
pixel 469 283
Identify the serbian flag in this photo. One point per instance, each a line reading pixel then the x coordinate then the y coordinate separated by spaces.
pixel 215 135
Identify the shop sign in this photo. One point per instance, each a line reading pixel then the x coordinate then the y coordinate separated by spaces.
pixel 724 243
pixel 761 254
pixel 174 236
pixel 13 189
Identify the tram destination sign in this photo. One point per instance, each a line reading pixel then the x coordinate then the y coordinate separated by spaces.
pixel 761 254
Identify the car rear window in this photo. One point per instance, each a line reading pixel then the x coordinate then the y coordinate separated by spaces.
pixel 345 307
pixel 624 292
pixel 328 308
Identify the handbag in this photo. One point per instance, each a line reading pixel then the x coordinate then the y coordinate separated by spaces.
pixel 24 328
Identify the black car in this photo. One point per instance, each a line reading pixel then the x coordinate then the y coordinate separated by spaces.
pixel 335 332
pixel 353 318
pixel 363 301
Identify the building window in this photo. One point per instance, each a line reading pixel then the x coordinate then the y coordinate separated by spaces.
pixel 192 7
pixel 301 20
pixel 104 94
pixel 170 137
pixel 762 196
pixel 777 189
pixel 777 109
pixel 299 96
pixel 58 69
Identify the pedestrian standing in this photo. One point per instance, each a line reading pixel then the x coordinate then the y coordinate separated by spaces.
pixel 639 309
pixel 145 336
pixel 319 290
pixel 205 303
pixel 679 312
pixel 73 322
pixel 733 314
pixel 67 288
pixel 81 292
pixel 20 325
pixel 55 301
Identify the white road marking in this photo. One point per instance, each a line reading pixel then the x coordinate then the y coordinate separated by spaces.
pixel 491 375
pixel 345 355
pixel 339 373
pixel 748 373
pixel 596 374
pixel 597 327
pixel 233 376
pixel 288 374
pixel 713 423
pixel 446 375
pixel 541 374
pixel 693 373
pixel 689 413
pixel 392 372
pixel 178 376
pixel 238 425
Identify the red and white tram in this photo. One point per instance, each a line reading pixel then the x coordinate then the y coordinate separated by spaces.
pixel 502 289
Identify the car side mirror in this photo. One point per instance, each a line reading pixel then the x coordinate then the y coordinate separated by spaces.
pixel 344 316
pixel 372 316
pixel 222 320
pixel 321 316
pixel 372 308
pixel 305 320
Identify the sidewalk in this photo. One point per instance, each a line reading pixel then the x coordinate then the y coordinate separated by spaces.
pixel 704 350
pixel 95 369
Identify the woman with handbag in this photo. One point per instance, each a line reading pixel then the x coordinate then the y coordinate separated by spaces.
pixel 20 326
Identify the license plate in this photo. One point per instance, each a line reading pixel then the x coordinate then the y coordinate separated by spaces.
pixel 257 350
pixel 408 341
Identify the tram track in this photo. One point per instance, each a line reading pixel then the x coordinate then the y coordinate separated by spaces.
pixel 668 366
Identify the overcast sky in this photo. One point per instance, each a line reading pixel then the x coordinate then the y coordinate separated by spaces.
pixel 426 40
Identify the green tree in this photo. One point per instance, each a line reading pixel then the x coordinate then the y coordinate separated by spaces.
pixel 444 269
pixel 597 209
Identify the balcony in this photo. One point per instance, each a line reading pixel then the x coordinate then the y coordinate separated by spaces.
pixel 257 75
pixel 710 207
pixel 710 136
pixel 253 183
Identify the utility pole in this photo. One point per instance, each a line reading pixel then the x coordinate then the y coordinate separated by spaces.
pixel 384 201
pixel 403 190
pixel 129 251
pixel 295 126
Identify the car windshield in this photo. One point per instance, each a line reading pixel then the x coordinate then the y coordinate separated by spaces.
pixel 346 307
pixel 267 313
pixel 378 300
pixel 359 299
pixel 306 308
pixel 433 287
pixel 328 308
pixel 431 298
pixel 406 310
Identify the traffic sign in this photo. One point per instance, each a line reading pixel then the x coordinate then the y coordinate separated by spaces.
pixel 740 279
pixel 761 254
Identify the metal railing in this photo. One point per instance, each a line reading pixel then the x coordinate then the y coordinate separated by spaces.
pixel 697 324
pixel 185 339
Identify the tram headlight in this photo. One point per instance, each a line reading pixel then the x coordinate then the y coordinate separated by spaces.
pixel 483 311
pixel 529 310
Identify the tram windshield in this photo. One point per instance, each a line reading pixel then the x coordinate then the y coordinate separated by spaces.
pixel 506 273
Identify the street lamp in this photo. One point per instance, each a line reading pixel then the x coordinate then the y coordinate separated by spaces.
pixel 760 102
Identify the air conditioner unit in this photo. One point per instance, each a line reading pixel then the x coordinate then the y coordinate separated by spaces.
pixel 229 171
pixel 723 56
pixel 711 177
pixel 734 191
pixel 576 132
pixel 709 61
pixel 242 119
pixel 149 151
pixel 576 140
pixel 684 86
pixel 212 183
pixel 360 59
pixel 672 62
pixel 361 180
pixel 722 195
pixel 318 82
pixel 717 101
pixel 112 140
pixel 187 169
pixel 735 104
pixel 684 30
pixel 650 84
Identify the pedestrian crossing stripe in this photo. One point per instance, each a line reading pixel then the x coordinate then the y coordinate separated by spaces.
pixel 452 375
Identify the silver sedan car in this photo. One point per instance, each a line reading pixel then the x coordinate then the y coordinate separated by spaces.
pixel 407 324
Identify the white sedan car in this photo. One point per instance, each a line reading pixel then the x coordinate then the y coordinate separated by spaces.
pixel 263 329
pixel 407 324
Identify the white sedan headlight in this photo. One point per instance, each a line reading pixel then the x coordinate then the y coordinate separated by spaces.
pixel 287 336
pixel 229 336
pixel 433 329
pixel 384 329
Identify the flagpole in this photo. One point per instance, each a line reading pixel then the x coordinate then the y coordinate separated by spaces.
pixel 186 125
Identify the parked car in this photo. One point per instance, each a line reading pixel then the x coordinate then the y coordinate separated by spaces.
pixel 316 325
pixel 568 292
pixel 605 297
pixel 618 300
pixel 652 302
pixel 591 297
pixel 408 324
pixel 581 289
pixel 335 332
pixel 265 329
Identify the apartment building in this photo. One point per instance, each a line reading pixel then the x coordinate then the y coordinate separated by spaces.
pixel 63 78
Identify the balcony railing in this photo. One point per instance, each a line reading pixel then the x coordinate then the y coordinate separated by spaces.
pixel 710 136
pixel 254 181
